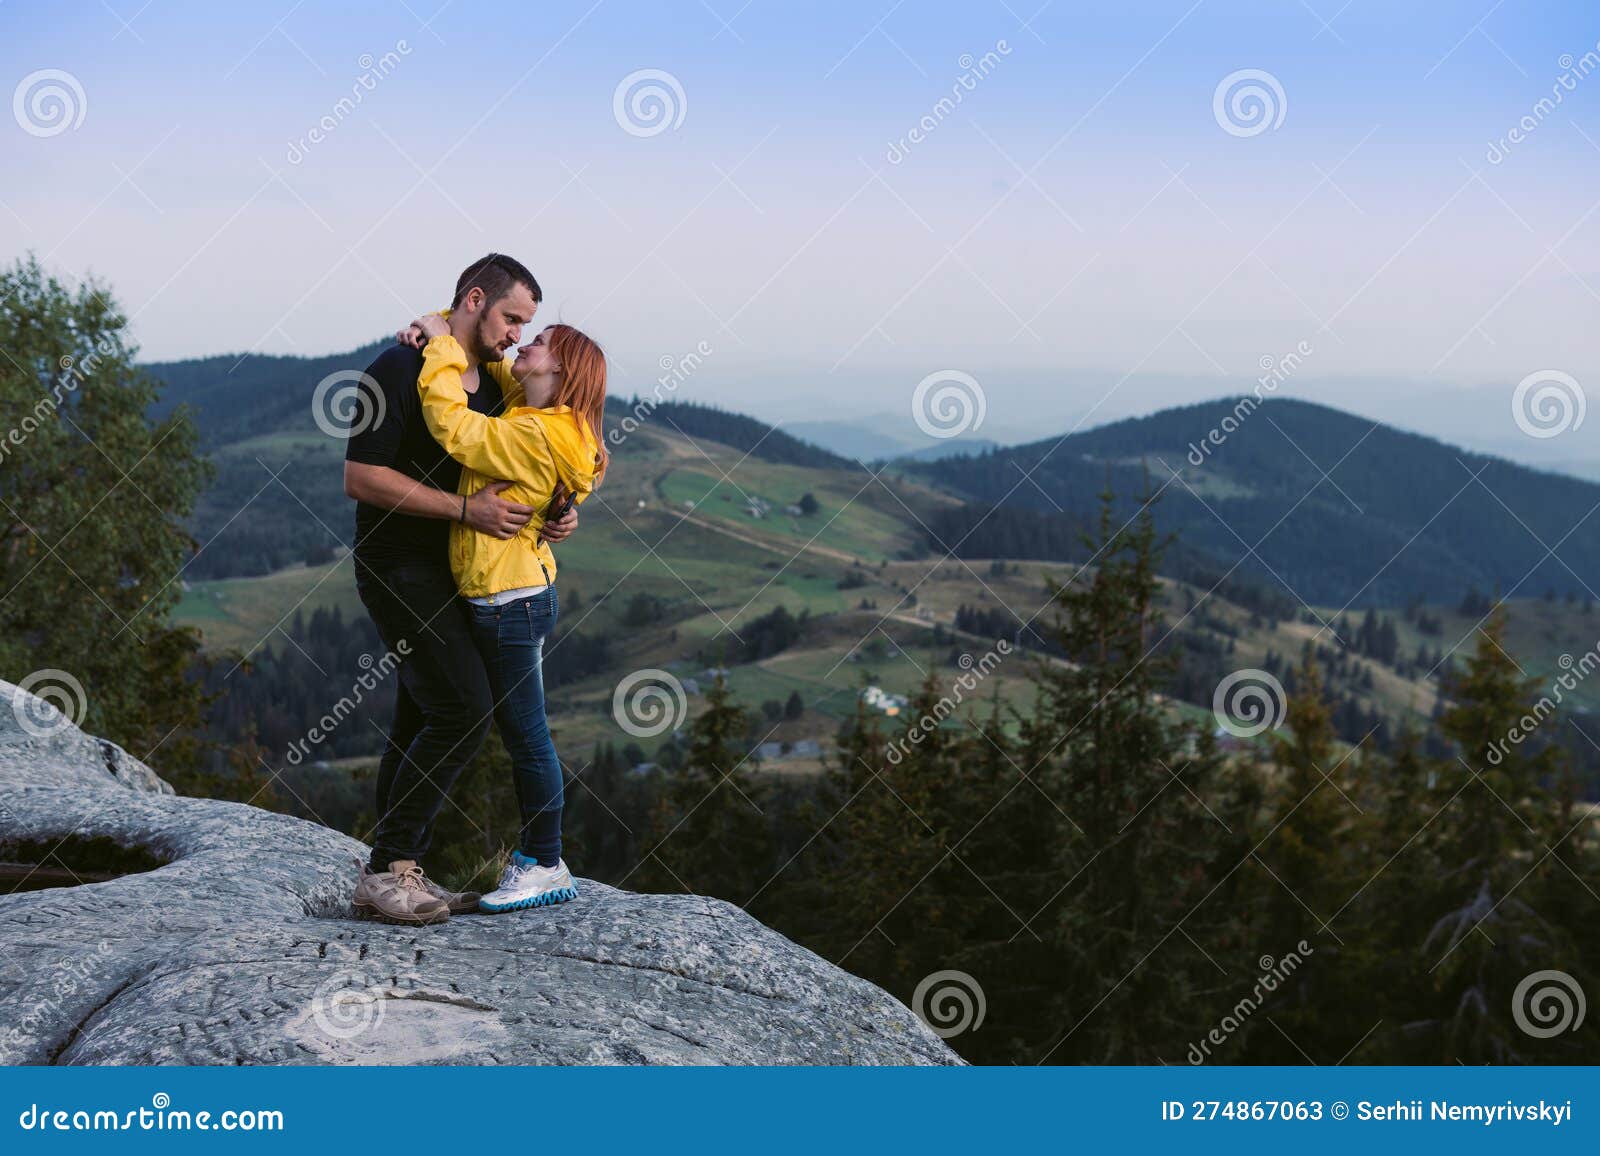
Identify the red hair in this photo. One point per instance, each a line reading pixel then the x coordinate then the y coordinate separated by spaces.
pixel 582 385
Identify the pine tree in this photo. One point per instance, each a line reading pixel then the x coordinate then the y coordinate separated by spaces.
pixel 890 881
pixel 1302 873
pixel 708 832
pixel 1492 924
pixel 1385 920
pixel 1012 832
pixel 1135 844
pixel 598 823
pixel 916 869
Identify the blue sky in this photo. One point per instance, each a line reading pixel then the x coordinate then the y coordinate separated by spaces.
pixel 1081 215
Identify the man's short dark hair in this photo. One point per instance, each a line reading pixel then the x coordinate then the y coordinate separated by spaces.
pixel 495 275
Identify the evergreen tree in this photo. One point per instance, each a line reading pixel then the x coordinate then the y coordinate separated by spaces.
pixel 1011 842
pixel 1386 919
pixel 1135 845
pixel 96 493
pixel 891 837
pixel 1492 923
pixel 601 815
pixel 1304 871
pixel 708 832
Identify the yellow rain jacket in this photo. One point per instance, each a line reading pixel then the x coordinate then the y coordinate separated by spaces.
pixel 531 448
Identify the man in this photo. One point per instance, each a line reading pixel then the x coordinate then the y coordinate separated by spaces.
pixel 404 486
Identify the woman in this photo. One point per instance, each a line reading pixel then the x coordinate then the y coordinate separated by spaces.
pixel 551 449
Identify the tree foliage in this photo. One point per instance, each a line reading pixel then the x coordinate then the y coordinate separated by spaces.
pixel 95 494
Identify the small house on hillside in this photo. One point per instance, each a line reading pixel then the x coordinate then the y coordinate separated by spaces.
pixel 880 699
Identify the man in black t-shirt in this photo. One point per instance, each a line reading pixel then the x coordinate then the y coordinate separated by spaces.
pixel 404 486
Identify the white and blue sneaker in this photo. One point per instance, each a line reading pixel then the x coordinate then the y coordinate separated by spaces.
pixel 526 884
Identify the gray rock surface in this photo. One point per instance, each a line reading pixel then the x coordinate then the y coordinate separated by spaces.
pixel 242 950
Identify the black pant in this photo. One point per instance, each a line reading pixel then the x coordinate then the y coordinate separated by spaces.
pixel 442 706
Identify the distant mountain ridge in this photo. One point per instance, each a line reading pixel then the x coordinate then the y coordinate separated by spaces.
pixel 236 397
pixel 749 434
pixel 278 495
pixel 884 438
pixel 965 447
pixel 1397 515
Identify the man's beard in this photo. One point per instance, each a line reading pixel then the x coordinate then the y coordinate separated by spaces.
pixel 483 349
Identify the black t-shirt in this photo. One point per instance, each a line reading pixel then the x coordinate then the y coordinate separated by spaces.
pixel 401 441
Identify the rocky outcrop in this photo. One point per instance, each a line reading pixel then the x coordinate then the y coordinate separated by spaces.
pixel 240 948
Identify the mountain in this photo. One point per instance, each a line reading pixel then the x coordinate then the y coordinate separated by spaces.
pixel 241 397
pixel 954 448
pixel 884 437
pixel 278 497
pixel 1485 418
pixel 1397 517
pixel 1325 506
pixel 848 439
pixel 1478 417
pixel 732 429
pixel 245 395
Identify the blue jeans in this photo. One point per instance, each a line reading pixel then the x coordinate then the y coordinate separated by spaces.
pixel 511 640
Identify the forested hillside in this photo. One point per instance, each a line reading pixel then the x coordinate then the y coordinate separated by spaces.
pixel 1332 507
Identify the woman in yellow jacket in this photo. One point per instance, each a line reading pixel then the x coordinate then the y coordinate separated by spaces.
pixel 548 443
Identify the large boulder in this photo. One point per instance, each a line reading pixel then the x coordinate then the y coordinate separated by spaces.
pixel 229 939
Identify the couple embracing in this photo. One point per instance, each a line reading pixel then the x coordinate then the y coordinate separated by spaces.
pixel 469 467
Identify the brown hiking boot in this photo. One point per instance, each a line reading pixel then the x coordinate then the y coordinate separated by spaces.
pixel 398 895
pixel 459 902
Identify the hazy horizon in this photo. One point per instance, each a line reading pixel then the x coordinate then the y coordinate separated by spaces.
pixel 1037 404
